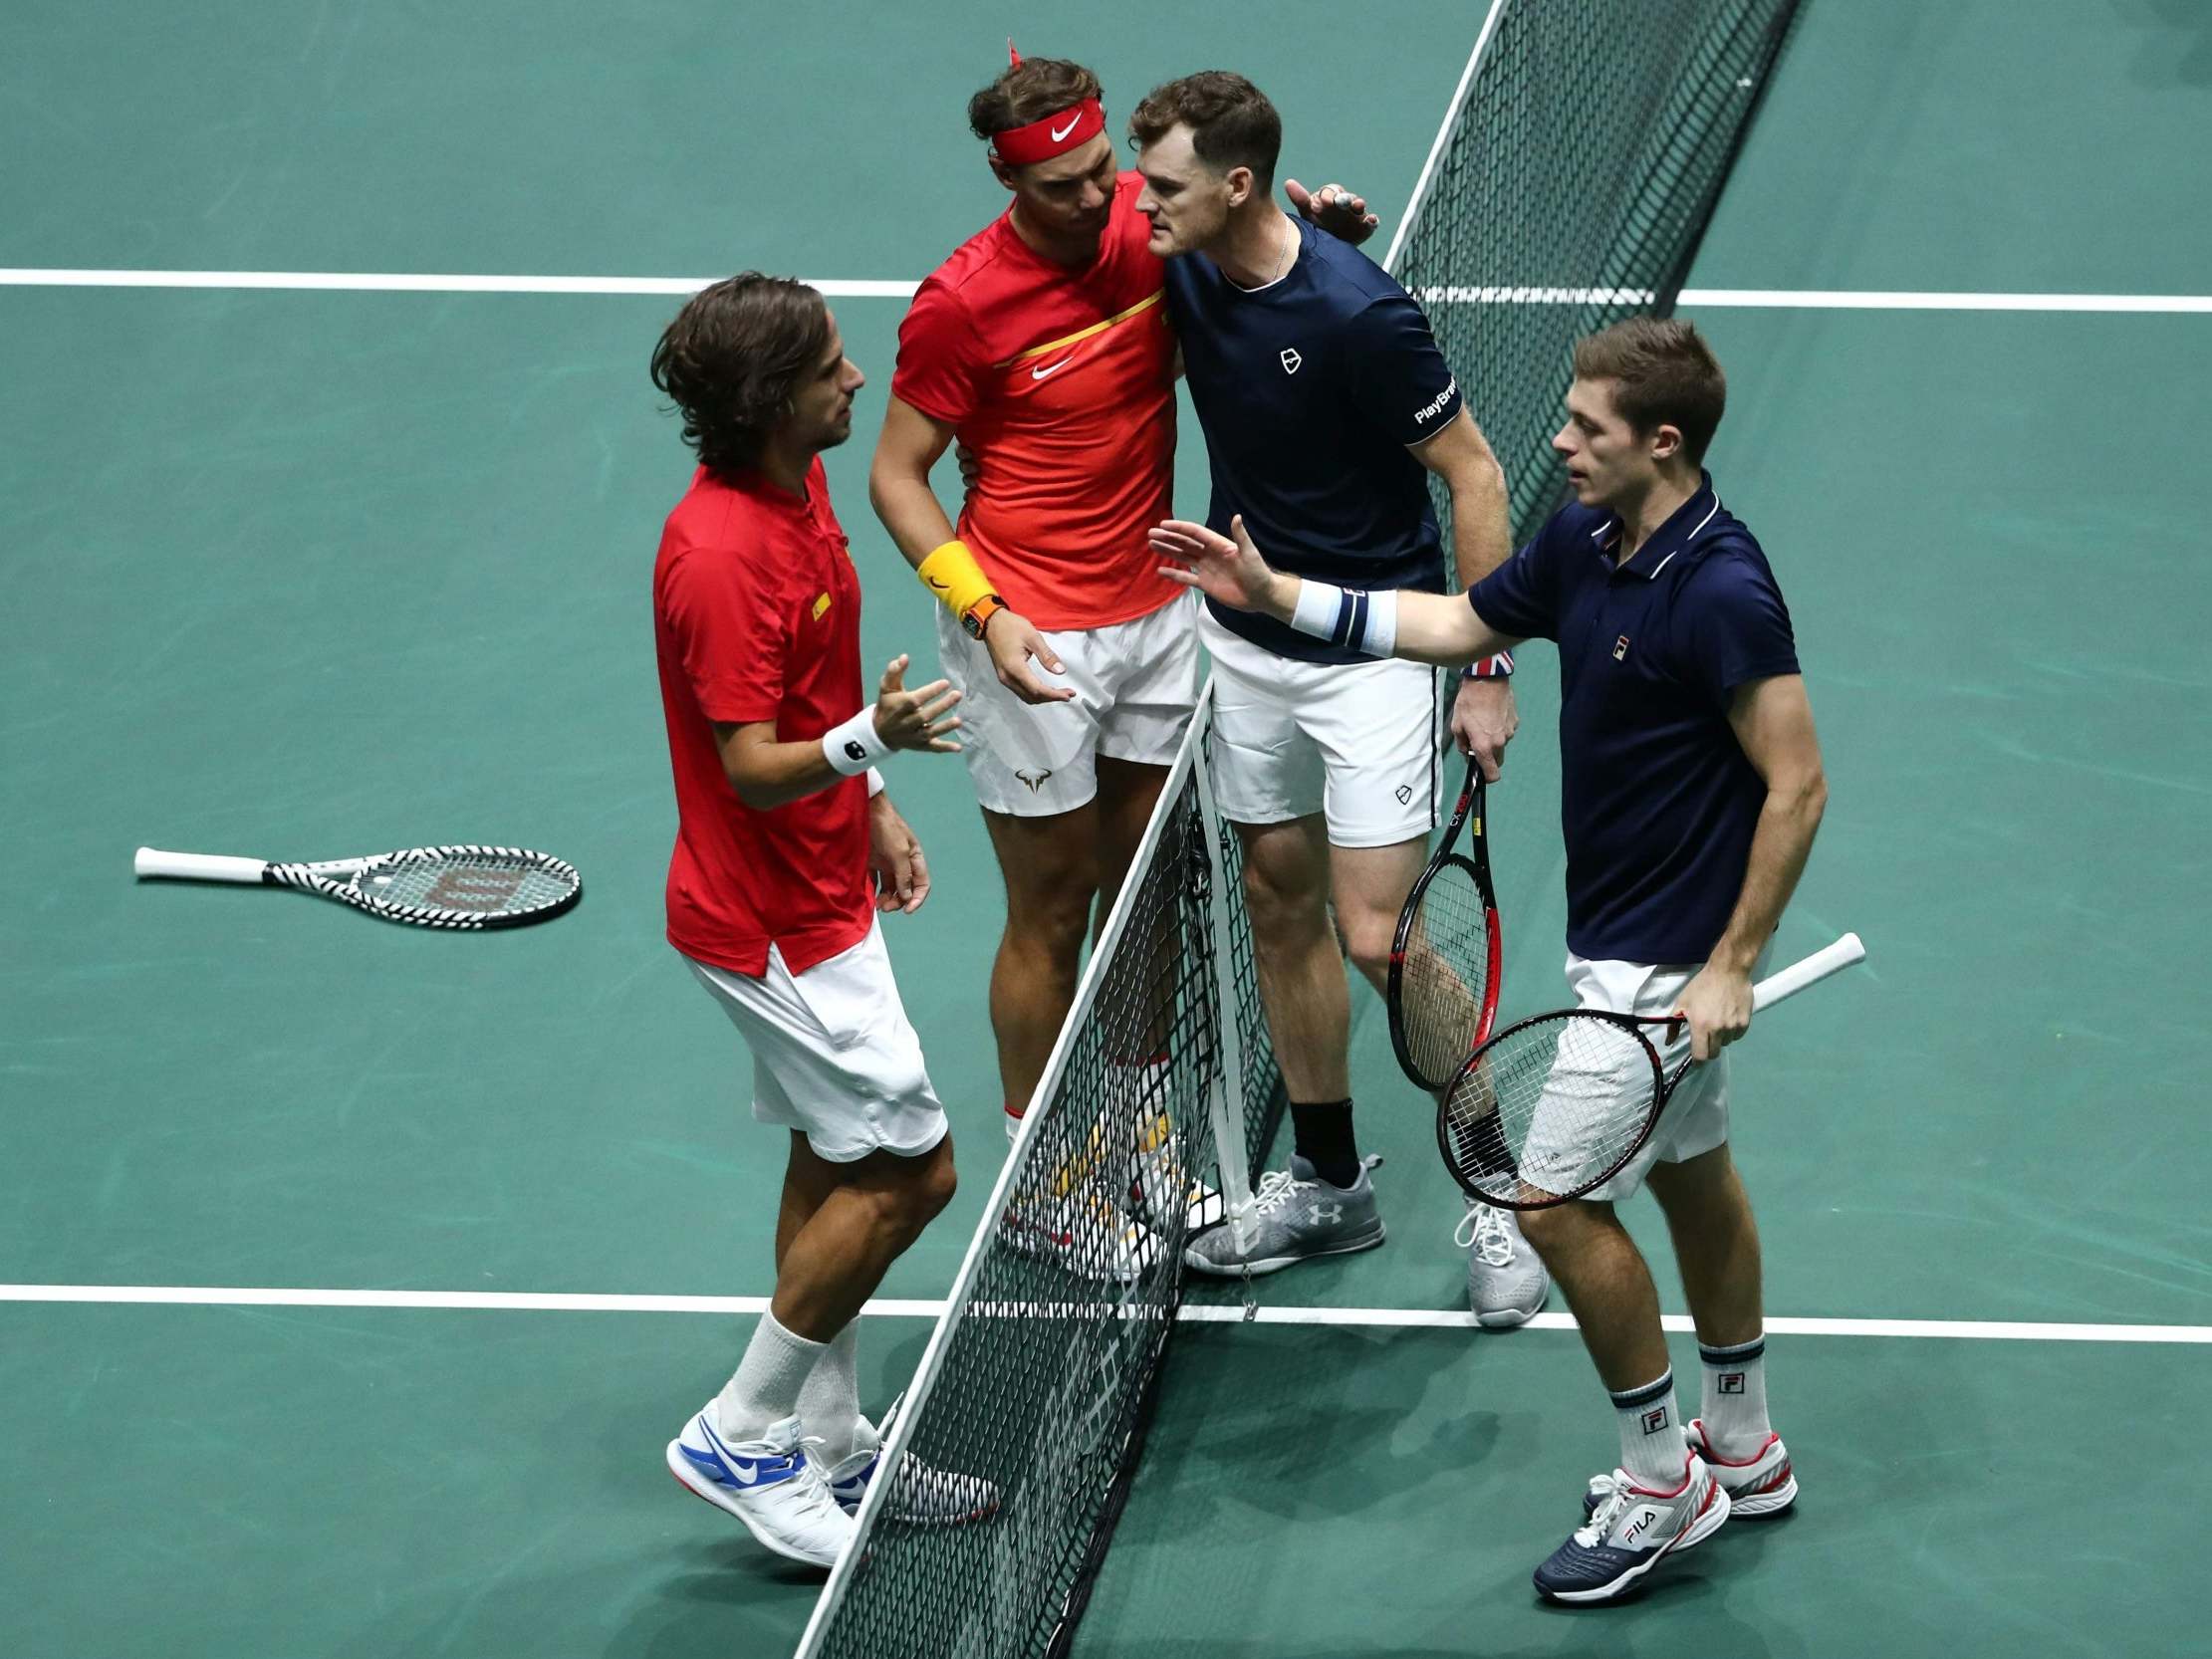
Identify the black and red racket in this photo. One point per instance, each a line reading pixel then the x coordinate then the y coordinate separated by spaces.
pixel 1554 1106
pixel 1444 960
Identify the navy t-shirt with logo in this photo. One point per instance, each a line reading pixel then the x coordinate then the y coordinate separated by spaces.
pixel 1657 801
pixel 1310 390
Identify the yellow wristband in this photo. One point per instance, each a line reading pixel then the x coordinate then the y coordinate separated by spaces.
pixel 953 575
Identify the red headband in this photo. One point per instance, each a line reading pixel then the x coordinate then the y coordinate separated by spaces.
pixel 1056 134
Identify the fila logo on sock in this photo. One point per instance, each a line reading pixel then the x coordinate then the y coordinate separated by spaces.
pixel 1654 1420
pixel 1731 1382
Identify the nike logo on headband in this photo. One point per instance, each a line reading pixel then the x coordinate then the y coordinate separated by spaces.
pixel 1060 133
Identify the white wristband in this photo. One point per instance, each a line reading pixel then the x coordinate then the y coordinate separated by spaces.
pixel 854 745
pixel 874 782
pixel 1368 623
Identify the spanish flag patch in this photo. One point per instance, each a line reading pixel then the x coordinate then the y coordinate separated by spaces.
pixel 820 606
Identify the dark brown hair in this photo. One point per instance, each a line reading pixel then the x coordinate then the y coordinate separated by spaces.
pixel 1232 125
pixel 1029 90
pixel 1664 374
pixel 730 359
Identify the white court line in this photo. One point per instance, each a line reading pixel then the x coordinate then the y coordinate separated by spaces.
pixel 1806 299
pixel 1379 1318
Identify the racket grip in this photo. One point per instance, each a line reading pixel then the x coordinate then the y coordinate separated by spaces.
pixel 1844 953
pixel 196 866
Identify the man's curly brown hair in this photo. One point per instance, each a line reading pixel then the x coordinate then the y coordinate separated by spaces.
pixel 730 359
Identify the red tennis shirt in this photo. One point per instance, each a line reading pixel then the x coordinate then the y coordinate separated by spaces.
pixel 1061 379
pixel 757 616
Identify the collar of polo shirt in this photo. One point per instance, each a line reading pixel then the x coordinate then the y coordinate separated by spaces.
pixel 1679 530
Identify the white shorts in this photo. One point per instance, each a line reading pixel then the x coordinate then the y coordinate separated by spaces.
pixel 832 1053
pixel 1136 685
pixel 1697 1116
pixel 1356 742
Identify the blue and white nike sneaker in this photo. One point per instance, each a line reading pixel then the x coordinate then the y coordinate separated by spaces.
pixel 1629 1530
pixel 770 1484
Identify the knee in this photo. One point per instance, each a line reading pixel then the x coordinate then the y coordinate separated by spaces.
pixel 1367 940
pixel 1051 909
pixel 1555 1233
pixel 1280 910
pixel 905 1207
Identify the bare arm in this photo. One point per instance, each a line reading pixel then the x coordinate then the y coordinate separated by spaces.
pixel 1773 721
pixel 766 773
pixel 898 487
pixel 898 480
pixel 1482 539
pixel 1431 627
pixel 1484 716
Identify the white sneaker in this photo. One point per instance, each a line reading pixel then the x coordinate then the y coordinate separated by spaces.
pixel 1630 1530
pixel 1083 1231
pixel 920 1494
pixel 1760 1485
pixel 1507 1283
pixel 770 1484
pixel 1160 1188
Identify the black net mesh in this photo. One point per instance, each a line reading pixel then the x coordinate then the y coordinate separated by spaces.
pixel 1571 193
pixel 1044 1381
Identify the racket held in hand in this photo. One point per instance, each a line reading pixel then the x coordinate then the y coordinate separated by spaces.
pixel 466 887
pixel 1553 1108
pixel 1442 992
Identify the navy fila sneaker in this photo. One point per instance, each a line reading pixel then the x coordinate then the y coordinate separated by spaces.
pixel 770 1484
pixel 1628 1531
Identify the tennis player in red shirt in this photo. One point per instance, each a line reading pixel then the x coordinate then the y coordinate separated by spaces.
pixel 1042 344
pixel 786 849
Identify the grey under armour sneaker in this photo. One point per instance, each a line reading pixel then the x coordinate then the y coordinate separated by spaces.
pixel 1506 1280
pixel 1295 1215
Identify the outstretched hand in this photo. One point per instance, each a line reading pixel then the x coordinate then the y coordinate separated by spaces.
pixel 1336 209
pixel 1225 567
pixel 1014 643
pixel 919 719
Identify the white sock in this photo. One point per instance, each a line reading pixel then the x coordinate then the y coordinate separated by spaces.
pixel 1735 1398
pixel 764 1389
pixel 829 1400
pixel 1653 1449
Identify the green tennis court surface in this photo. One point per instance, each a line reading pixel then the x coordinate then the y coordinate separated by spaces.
pixel 309 573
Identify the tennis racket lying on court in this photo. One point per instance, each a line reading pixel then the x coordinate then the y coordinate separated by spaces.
pixel 1554 1106
pixel 430 886
pixel 1444 960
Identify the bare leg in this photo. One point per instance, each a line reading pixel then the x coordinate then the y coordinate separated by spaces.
pixel 864 1216
pixel 1051 869
pixel 1368 886
pixel 1609 1286
pixel 1716 1241
pixel 1301 966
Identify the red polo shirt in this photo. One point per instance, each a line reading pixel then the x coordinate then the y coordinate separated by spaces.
pixel 757 617
pixel 1061 382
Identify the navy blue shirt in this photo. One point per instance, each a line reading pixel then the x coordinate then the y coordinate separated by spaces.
pixel 1657 799
pixel 1309 388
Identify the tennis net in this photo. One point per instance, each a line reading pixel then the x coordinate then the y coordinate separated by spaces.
pixel 1586 144
pixel 1040 1375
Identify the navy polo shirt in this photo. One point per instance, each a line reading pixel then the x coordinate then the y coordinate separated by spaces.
pixel 1310 390
pixel 1657 801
